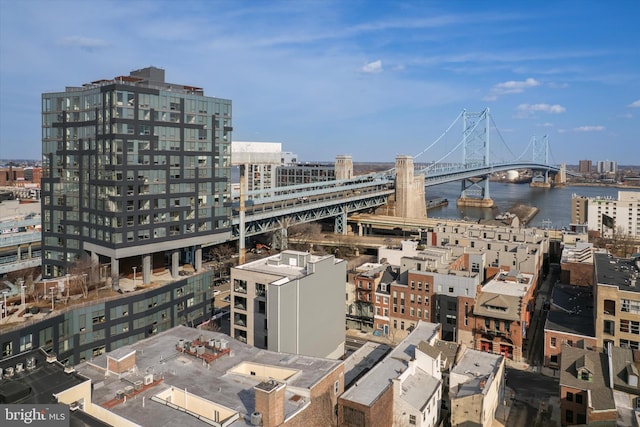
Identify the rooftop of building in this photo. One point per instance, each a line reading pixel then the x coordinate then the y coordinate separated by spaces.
pixel 417 389
pixel 621 272
pixel 370 269
pixel 625 363
pixel 509 283
pixel 369 388
pixel 448 350
pixel 581 252
pixel 571 310
pixel 480 369
pixel 289 264
pixel 225 383
pixel 572 361
pixel 362 360
pixel 34 377
pixel 502 296
pixel 152 77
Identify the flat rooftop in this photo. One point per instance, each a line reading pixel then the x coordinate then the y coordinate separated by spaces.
pixel 367 389
pixel 620 272
pixel 226 382
pixel 511 284
pixel 289 264
pixel 571 311
pixel 476 366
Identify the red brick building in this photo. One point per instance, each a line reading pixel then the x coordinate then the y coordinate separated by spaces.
pixel 585 395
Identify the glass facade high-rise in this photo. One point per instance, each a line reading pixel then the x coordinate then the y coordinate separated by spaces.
pixel 133 166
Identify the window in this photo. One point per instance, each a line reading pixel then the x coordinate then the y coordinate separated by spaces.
pixel 336 387
pixel 450 289
pixel 569 396
pixel 26 342
pixel 553 341
pixel 412 420
pixel 569 416
pixel 609 327
pixel 579 398
pixel 7 348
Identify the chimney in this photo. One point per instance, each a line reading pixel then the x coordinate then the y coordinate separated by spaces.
pixel 269 398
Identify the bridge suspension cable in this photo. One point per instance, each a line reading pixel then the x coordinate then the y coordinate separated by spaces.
pixel 500 136
pixel 468 131
pixel 441 136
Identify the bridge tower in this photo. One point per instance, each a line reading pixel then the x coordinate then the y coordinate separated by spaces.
pixel 410 198
pixel 344 167
pixel 475 153
pixel 540 155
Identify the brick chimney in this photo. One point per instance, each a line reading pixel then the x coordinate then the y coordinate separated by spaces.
pixel 269 397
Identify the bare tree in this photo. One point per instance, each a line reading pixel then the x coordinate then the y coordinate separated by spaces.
pixel 222 252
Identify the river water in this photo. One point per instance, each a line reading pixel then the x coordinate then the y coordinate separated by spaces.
pixel 554 204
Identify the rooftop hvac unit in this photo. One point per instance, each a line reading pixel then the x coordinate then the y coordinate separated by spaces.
pixel 19 368
pixel 128 390
pixel 212 343
pixel 256 419
pixel 31 363
pixel 137 385
pixel 8 372
pixel 192 348
pixel 180 343
pixel 200 349
pixel 51 357
pixel 148 379
pixel 120 394
pixel 224 344
pixel 74 406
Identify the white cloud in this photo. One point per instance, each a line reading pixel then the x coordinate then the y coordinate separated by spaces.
pixel 589 129
pixel 372 67
pixel 634 104
pixel 526 110
pixel 84 42
pixel 512 86
pixel 554 85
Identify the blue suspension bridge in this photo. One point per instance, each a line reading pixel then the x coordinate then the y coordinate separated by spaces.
pixel 278 208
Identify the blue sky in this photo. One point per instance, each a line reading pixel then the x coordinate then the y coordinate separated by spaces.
pixel 373 79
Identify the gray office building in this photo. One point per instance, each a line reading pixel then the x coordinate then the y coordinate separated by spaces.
pixel 136 172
